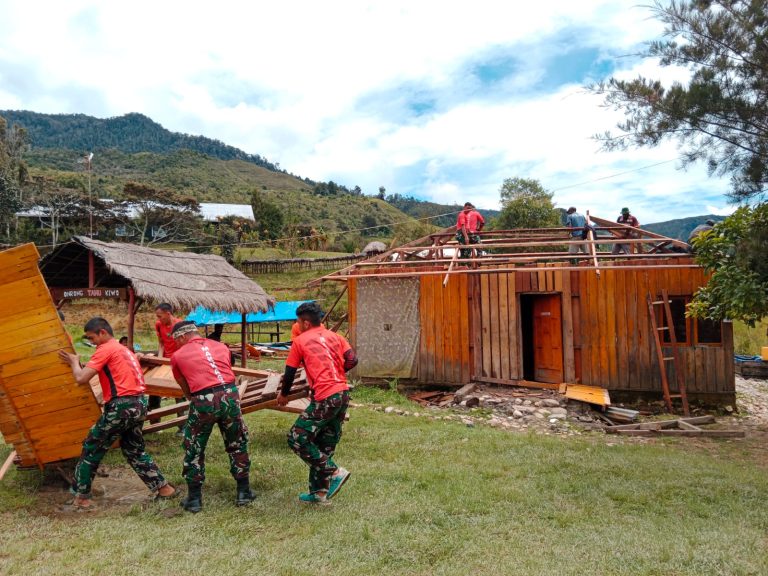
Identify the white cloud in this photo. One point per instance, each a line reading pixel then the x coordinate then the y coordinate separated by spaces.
pixel 326 89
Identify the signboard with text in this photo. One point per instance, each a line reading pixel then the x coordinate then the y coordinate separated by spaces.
pixel 74 293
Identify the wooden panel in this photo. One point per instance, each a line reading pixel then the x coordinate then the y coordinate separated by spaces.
pixel 516 344
pixel 563 283
pixel 493 289
pixel 612 299
pixel 485 325
pixel 437 320
pixel 352 311
pixel 465 330
pixel 427 341
pixel 547 339
pixel 38 391
pixel 505 342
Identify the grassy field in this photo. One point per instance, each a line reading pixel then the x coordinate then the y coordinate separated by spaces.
pixel 426 497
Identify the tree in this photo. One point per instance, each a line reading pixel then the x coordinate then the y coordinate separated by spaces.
pixel 382 193
pixel 9 202
pixel 525 204
pixel 734 252
pixel 157 216
pixel 13 174
pixel 721 115
pixel 268 217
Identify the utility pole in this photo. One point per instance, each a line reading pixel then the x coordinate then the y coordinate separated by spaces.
pixel 88 157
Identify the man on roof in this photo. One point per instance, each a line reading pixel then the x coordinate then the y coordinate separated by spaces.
pixel 626 219
pixel 468 224
pixel 203 369
pixel 122 384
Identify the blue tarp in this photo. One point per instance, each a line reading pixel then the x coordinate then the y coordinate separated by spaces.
pixel 282 312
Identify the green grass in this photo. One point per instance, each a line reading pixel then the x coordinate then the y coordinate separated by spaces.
pixel 749 341
pixel 426 497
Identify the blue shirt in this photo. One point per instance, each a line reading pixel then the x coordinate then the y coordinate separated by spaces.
pixel 577 221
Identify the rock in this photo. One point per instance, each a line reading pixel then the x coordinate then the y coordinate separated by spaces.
pixel 539 415
pixel 527 403
pixel 550 402
pixel 389 410
pixel 517 414
pixel 416 414
pixel 518 401
pixel 557 416
pixel 538 404
pixel 559 410
pixel 471 402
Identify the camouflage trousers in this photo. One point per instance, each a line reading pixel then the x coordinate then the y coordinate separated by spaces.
pixel 220 407
pixel 473 239
pixel 122 419
pixel 315 434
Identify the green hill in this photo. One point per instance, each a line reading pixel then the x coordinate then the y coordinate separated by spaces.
pixel 681 227
pixel 129 133
pixel 423 209
pixel 213 180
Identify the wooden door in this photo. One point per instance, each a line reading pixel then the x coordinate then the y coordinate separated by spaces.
pixel 547 339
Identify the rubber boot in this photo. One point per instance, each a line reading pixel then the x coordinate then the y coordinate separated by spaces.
pixel 244 494
pixel 194 500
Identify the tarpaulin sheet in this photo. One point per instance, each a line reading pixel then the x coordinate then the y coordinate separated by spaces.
pixel 282 312
pixel 388 329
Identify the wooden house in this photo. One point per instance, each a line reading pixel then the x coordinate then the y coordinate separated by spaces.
pixel 523 310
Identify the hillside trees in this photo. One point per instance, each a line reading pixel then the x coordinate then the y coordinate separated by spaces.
pixel 157 216
pixel 268 216
pixel 720 117
pixel 525 204
pixel 13 174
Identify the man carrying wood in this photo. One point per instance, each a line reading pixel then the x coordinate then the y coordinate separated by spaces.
pixel 166 345
pixel 122 384
pixel 203 369
pixel 326 356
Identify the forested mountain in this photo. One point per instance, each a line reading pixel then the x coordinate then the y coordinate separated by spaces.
pixel 422 209
pixel 681 227
pixel 130 133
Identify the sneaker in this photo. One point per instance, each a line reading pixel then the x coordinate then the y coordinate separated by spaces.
pixel 313 498
pixel 337 481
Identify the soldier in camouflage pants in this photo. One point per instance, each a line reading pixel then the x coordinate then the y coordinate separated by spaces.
pixel 122 418
pixel 220 407
pixel 314 436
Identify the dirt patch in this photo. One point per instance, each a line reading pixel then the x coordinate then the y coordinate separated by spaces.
pixel 115 487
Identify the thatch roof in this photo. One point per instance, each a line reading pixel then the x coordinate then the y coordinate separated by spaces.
pixel 182 279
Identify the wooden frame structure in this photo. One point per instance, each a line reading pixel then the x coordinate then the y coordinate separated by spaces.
pixel 527 311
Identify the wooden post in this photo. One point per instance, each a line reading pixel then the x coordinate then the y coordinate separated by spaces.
pixel 592 248
pixel 244 357
pixel 7 464
pixel 91 270
pixel 131 315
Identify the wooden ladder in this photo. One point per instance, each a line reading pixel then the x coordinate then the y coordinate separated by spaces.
pixel 674 358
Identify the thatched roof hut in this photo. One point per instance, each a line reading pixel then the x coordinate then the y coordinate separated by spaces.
pixel 182 279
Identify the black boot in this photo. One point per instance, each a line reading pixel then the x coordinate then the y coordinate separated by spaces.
pixel 244 494
pixel 194 500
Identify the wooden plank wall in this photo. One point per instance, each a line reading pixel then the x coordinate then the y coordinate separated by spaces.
pixel 614 340
pixel 497 328
pixel 445 347
pixel 43 412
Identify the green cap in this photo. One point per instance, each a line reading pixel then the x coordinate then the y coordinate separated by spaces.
pixel 625 210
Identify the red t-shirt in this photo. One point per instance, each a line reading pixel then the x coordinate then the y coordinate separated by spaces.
pixel 203 363
pixel 295 331
pixel 322 352
pixel 470 220
pixel 119 370
pixel 164 336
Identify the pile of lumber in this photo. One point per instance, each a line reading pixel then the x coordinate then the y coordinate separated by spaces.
pixel 258 390
pixel 680 427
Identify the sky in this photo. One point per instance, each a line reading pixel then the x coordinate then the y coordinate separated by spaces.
pixel 442 101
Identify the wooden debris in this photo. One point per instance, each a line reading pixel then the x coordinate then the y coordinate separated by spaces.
pixel 680 427
pixel 7 464
pixel 589 394
pixel 435 398
pixel 621 414
pixel 462 392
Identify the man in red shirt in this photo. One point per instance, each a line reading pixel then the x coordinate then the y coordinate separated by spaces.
pixel 122 384
pixel 203 369
pixel 327 357
pixel 468 224
pixel 166 345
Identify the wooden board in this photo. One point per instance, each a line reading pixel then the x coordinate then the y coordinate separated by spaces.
pixel 44 413
pixel 589 394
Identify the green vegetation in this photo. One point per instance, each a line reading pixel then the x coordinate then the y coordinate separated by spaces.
pixel 426 497
pixel 526 204
pixel 749 341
